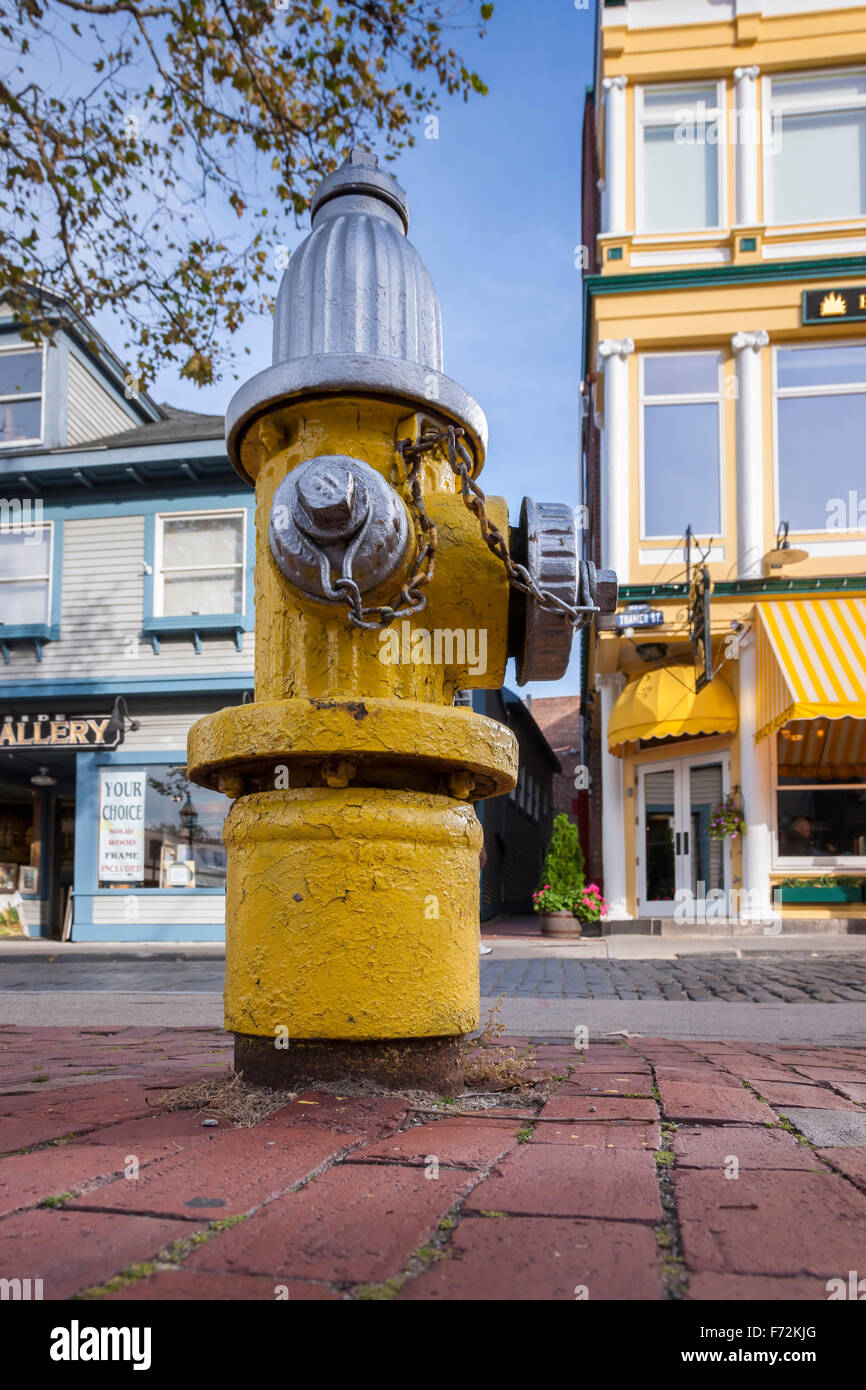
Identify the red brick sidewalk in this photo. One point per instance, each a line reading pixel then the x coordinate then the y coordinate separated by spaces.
pixel 620 1186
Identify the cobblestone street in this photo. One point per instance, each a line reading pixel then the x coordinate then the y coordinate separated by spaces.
pixel 760 979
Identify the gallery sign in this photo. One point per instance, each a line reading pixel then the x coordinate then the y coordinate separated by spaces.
pixel 80 733
pixel 823 306
pixel 121 824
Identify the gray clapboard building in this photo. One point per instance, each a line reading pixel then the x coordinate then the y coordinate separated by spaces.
pixel 126 612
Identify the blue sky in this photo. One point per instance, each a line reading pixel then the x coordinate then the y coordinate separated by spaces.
pixel 495 213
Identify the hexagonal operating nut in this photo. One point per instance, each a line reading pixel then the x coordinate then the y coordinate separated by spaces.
pixel 331 499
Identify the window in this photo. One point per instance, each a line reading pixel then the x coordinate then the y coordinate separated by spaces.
pixel 817 171
pixel 821 791
pixel 200 564
pixel 820 416
pixel 681 444
pixel 20 396
pixel 680 166
pixel 25 573
pixel 158 830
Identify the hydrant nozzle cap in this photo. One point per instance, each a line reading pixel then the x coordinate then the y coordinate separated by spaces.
pixel 360 176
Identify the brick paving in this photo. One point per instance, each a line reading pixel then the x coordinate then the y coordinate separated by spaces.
pixel 650 1170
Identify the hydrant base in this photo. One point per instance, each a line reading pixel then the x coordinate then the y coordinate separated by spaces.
pixel 423 1064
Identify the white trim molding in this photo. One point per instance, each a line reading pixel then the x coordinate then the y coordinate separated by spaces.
pixel 612 360
pixel 747 145
pixel 615 154
pixel 747 347
pixel 756 787
pixel 612 806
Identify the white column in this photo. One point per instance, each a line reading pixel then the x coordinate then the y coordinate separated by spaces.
pixel 750 453
pixel 747 145
pixel 613 355
pixel 612 807
pixel 755 785
pixel 601 185
pixel 615 153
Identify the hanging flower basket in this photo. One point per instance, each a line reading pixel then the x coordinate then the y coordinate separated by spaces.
pixel 726 819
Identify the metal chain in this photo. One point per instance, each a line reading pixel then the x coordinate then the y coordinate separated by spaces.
pixel 518 576
pixel 410 599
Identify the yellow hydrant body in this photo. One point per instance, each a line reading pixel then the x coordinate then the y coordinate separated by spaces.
pixel 352 923
pixel 353 847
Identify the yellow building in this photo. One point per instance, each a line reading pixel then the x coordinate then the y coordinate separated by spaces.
pixel 724 427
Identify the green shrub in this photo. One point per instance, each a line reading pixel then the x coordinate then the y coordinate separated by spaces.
pixel 563 876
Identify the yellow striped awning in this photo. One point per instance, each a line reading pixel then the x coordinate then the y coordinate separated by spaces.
pixel 663 703
pixel 811 661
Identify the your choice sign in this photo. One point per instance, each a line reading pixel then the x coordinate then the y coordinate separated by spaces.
pixel 121 824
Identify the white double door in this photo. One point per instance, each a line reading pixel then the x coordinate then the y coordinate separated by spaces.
pixel 674 849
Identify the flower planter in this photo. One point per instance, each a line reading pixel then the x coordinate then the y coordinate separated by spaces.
pixel 822 893
pixel 559 924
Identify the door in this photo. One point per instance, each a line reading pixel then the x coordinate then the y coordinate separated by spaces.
pixel 675 852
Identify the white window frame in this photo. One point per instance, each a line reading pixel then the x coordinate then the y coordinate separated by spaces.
pixel 803 107
pixel 20 348
pixel 31 578
pixel 641 121
pixel 159 570
pixel 821 863
pixel 688 398
pixel 783 392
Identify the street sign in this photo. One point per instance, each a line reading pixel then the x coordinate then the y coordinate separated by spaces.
pixel 640 617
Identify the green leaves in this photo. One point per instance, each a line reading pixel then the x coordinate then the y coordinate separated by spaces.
pixel 176 121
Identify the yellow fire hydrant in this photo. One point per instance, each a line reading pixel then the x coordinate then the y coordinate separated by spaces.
pixel 385 583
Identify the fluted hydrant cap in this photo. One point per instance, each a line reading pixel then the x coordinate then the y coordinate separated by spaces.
pixel 360 174
pixel 357 313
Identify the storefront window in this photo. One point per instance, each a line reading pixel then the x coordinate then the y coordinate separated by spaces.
pixel 158 830
pixel 820 414
pixel 200 564
pixel 820 790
